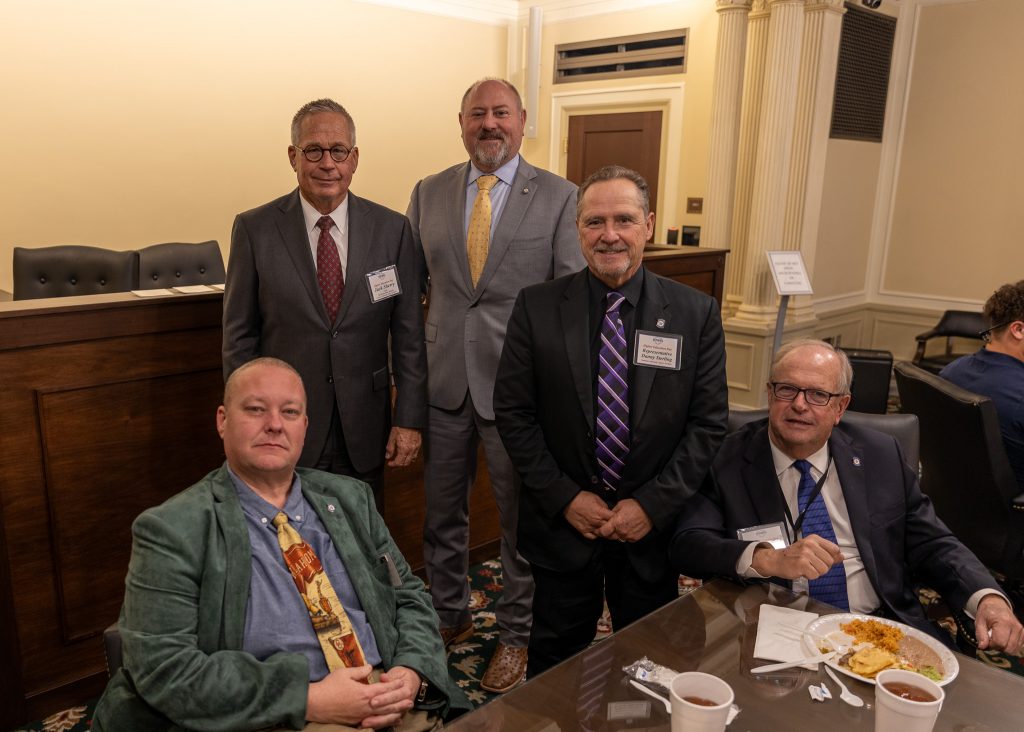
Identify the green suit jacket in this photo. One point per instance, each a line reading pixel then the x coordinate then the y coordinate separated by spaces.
pixel 183 616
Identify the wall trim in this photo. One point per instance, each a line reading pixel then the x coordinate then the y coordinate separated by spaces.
pixel 501 12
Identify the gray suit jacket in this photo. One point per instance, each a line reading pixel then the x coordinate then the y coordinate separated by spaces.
pixel 535 240
pixel 273 307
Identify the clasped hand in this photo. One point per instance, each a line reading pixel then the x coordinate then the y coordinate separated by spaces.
pixel 343 697
pixel 808 558
pixel 589 515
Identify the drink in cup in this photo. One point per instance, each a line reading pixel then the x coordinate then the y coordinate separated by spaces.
pixel 700 702
pixel 906 702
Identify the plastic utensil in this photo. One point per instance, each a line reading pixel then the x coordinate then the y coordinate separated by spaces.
pixel 845 694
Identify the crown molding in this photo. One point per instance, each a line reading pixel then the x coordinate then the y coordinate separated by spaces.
pixel 503 12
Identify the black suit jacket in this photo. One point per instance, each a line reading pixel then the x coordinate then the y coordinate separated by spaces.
pixel 273 307
pixel 543 404
pixel 899 537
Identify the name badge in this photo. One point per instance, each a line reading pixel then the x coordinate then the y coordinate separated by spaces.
pixel 774 534
pixel 383 283
pixel 658 350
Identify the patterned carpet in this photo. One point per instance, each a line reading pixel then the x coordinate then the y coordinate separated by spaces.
pixel 468 661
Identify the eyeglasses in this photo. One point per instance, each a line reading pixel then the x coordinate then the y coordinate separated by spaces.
pixel 788 392
pixel 986 335
pixel 314 153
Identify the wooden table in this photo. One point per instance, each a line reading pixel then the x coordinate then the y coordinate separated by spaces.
pixel 713 630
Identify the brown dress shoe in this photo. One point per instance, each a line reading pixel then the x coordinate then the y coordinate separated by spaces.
pixel 506 669
pixel 457 634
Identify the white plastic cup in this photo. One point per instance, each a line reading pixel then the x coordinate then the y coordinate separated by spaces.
pixel 690 717
pixel 895 714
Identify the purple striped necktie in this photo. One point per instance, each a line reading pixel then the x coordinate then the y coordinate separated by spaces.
pixel 612 431
pixel 328 268
pixel 831 586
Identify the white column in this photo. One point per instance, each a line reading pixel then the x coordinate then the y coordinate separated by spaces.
pixel 726 102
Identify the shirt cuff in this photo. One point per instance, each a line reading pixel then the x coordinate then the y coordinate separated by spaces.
pixel 971 608
pixel 743 564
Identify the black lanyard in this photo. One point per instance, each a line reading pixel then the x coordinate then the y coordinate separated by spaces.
pixel 795 525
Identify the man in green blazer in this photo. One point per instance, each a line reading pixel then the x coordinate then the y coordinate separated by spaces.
pixel 217 637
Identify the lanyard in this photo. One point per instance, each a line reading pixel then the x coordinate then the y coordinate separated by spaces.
pixel 795 525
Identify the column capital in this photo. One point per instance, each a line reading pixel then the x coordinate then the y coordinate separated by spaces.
pixel 835 6
pixel 724 6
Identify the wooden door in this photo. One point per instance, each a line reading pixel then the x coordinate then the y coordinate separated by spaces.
pixel 631 139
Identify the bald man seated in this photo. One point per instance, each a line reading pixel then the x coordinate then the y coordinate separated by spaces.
pixel 804 499
pixel 273 597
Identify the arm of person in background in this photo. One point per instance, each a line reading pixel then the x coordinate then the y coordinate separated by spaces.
pixel 567 257
pixel 242 323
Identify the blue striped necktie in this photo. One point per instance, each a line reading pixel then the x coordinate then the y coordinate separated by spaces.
pixel 612 431
pixel 831 586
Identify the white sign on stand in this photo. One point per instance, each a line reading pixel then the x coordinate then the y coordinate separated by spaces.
pixel 791 278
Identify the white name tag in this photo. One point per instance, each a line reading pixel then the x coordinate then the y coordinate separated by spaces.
pixel 659 350
pixel 383 283
pixel 774 534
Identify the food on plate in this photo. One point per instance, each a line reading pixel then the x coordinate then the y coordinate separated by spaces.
pixel 881 646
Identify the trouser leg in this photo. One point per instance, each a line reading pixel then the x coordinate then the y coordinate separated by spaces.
pixel 566 608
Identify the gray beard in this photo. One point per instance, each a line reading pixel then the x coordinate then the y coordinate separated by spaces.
pixel 491 162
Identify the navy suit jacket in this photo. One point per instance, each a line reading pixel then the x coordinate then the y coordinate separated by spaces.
pixel 898 535
pixel 543 405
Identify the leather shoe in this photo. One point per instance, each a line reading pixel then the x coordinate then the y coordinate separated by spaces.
pixel 506 669
pixel 456 634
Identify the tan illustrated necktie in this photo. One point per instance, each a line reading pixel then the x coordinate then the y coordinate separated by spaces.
pixel 478 238
pixel 330 621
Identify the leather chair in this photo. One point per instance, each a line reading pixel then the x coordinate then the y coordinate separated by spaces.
pixel 62 271
pixel 903 427
pixel 964 468
pixel 112 649
pixel 175 264
pixel 953 324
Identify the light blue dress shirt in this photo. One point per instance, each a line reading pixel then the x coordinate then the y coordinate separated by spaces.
pixel 499 194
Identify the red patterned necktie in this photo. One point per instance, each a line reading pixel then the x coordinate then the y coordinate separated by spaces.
pixel 328 268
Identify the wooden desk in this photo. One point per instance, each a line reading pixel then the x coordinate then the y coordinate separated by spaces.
pixel 699 267
pixel 713 630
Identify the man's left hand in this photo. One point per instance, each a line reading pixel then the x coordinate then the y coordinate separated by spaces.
pixel 410 681
pixel 403 446
pixel 629 522
pixel 997 627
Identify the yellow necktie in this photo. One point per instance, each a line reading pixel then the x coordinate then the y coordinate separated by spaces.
pixel 478 238
pixel 330 621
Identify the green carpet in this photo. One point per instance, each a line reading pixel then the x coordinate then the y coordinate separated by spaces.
pixel 468 661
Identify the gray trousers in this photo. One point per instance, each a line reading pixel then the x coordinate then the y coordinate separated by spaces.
pixel 450 453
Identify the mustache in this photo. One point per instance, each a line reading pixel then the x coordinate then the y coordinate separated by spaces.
pixel 495 135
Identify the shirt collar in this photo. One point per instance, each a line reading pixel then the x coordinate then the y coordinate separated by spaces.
pixel 311 215
pixel 255 506
pixel 631 290
pixel 506 173
pixel 783 461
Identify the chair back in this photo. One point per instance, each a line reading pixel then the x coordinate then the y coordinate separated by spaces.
pixel 62 271
pixel 903 427
pixel 964 468
pixel 952 324
pixel 176 264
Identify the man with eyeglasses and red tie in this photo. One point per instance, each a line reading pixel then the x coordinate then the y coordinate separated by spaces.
pixel 833 509
pixel 329 283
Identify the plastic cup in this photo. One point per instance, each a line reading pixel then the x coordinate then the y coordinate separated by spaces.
pixel 692 717
pixel 895 714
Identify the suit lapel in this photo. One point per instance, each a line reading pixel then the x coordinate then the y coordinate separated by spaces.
pixel 518 201
pixel 655 307
pixel 575 314
pixel 848 462
pixel 231 522
pixel 455 205
pixel 360 239
pixel 761 482
pixel 291 226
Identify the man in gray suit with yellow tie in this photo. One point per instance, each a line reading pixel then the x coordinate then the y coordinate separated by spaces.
pixel 323 280
pixel 487 228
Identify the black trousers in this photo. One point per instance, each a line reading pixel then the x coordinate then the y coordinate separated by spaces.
pixel 567 605
pixel 335 459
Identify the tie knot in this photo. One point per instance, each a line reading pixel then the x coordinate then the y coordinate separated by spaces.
pixel 803 466
pixel 325 223
pixel 282 518
pixel 615 300
pixel 486 182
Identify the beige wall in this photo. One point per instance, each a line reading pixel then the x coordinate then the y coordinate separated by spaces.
pixel 958 217
pixel 129 123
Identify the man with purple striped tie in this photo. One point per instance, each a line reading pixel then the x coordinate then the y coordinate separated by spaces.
pixel 611 402
pixel 851 526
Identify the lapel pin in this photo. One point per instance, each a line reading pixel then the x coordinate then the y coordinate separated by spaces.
pixel 660 323
pixel 526 190
pixel 330 508
pixel 856 461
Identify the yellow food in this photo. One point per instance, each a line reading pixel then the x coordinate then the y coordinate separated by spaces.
pixel 867 662
pixel 880 635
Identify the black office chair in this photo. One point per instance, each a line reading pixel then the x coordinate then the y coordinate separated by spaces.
pixel 177 264
pixel 964 468
pixel 62 271
pixel 872 373
pixel 903 427
pixel 953 324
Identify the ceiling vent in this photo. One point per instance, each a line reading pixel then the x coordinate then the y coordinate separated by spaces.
pixel 862 75
pixel 663 52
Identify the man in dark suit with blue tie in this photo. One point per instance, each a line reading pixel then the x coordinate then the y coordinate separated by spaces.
pixel 611 401
pixel 329 283
pixel 832 508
